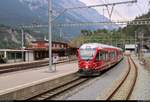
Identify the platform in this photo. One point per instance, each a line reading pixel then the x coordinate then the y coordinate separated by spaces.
pixel 17 80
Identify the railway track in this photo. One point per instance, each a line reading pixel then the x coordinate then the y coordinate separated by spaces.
pixel 25 66
pixel 49 95
pixel 125 87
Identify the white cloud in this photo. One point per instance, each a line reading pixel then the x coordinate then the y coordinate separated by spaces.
pixel 121 12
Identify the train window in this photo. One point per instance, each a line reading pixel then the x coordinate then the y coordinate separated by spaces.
pixel 101 56
pixel 106 56
pixel 110 55
pixel 87 54
pixel 113 55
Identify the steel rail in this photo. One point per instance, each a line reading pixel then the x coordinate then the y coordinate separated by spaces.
pixel 135 79
pixel 110 97
pixel 73 83
pixel 13 68
pixel 113 93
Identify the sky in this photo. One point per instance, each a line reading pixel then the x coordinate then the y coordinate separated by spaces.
pixel 121 12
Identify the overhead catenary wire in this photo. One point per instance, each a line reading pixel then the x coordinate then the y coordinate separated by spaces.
pixel 119 15
pixel 144 21
pixel 139 8
pixel 110 4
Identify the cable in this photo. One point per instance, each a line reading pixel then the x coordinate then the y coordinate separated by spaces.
pixel 59 15
pixel 139 8
pixel 119 14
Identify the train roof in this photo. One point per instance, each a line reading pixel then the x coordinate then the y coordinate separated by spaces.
pixel 97 45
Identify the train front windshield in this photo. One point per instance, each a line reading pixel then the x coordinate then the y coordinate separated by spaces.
pixel 87 54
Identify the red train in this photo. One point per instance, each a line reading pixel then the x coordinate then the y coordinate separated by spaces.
pixel 94 58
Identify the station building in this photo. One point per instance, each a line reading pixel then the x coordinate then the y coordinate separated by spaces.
pixel 15 55
pixel 40 49
pixel 37 50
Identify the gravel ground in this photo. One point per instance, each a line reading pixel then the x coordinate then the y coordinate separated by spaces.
pixel 142 88
pixel 95 88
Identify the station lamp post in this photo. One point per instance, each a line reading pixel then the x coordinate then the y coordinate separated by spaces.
pixel 50 33
pixel 135 42
pixel 22 43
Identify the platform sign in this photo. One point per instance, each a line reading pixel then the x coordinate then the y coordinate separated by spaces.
pixel 55 59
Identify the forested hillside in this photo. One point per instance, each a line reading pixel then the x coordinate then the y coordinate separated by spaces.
pixel 130 29
pixel 113 36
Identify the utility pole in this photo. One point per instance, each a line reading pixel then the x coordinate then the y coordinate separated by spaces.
pixel 140 35
pixel 103 14
pixel 111 39
pixel 50 33
pixel 22 43
pixel 135 43
pixel 142 46
pixel 60 33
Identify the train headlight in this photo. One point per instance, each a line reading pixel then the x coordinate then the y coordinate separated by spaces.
pixel 86 66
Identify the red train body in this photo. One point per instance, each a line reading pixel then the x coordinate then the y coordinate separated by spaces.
pixel 94 58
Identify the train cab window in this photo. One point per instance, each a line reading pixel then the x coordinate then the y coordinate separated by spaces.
pixel 87 54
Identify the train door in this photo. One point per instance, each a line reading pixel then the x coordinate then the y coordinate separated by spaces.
pixel 110 56
pixel 115 56
pixel 100 59
pixel 106 57
pixel 97 60
pixel 119 55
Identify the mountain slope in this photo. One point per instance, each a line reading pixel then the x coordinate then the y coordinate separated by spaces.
pixel 29 11
pixel 14 12
pixel 26 12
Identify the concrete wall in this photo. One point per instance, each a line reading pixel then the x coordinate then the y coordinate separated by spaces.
pixel 33 89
